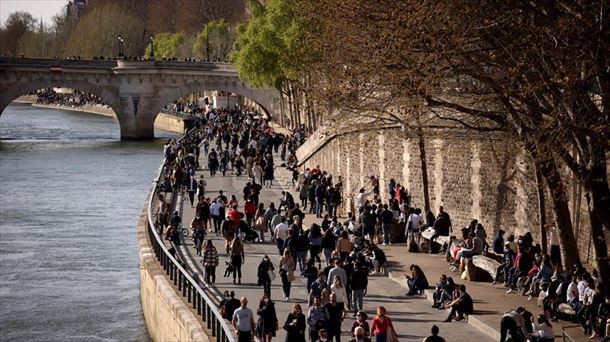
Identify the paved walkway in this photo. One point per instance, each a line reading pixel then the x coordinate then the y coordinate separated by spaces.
pixel 490 302
pixel 413 317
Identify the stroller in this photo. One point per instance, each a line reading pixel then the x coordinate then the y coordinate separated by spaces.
pixel 247 234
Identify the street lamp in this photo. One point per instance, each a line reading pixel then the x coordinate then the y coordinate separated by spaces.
pixel 152 48
pixel 121 53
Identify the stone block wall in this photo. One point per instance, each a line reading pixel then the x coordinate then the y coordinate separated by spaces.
pixel 472 176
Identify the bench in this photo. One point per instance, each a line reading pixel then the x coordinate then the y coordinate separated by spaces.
pixel 427 235
pixel 486 264
pixel 476 273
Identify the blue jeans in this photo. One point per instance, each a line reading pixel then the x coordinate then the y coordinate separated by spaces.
pixel 357 300
pixel 299 259
pixel 387 232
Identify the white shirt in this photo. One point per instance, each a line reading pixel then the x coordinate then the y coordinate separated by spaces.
pixel 361 199
pixel 572 290
pixel 542 331
pixel 589 293
pixel 281 231
pixel 552 238
pixel 340 293
pixel 582 286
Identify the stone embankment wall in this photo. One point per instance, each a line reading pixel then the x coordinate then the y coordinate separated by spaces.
pixel 167 316
pixel 473 176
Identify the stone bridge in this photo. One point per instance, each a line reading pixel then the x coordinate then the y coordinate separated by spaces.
pixel 136 91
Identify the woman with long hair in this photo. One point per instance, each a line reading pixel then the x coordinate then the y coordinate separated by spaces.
pixel 381 325
pixel 265 268
pixel 344 245
pixel 287 272
pixel 328 244
pixel 237 258
pixel 339 290
pixel 267 323
pixel 295 325
pixel 315 243
pixel 210 262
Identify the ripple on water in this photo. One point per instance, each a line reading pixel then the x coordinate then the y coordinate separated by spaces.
pixel 70 197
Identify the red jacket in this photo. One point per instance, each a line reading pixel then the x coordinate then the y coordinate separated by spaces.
pixel 250 208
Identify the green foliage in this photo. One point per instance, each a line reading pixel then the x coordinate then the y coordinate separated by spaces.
pixel 96 33
pixel 269 51
pixel 167 45
pixel 213 41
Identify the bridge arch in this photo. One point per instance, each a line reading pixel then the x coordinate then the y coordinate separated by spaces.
pixel 263 98
pixel 108 95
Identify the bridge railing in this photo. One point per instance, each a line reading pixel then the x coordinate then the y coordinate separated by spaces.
pixel 187 286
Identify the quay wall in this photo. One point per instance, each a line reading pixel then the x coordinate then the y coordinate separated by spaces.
pixel 481 176
pixel 164 121
pixel 167 316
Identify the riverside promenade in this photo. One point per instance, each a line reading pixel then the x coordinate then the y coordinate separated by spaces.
pixel 412 317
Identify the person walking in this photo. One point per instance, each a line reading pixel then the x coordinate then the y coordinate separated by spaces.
pixel 381 325
pixel 339 290
pixel 281 232
pixel 287 267
pixel 210 262
pixel 328 244
pixel 335 313
pixel 316 319
pixel 359 283
pixel 387 219
pixel 237 258
pixel 267 323
pixel 264 274
pixel 295 325
pixel 243 321
pixel 192 189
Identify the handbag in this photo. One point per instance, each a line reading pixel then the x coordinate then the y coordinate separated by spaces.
pixel 271 275
pixel 391 336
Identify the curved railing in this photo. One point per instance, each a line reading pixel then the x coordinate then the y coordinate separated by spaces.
pixel 187 286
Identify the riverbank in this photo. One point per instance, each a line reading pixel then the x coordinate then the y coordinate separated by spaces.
pixel 164 121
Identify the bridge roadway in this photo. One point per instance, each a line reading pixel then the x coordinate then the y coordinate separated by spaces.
pixel 135 90
pixel 412 317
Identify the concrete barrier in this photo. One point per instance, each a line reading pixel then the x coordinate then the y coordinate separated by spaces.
pixel 167 316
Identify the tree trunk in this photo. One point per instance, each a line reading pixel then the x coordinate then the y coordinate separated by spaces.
pixel 598 197
pixel 424 168
pixel 541 208
pixel 561 210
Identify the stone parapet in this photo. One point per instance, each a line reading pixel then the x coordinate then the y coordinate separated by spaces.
pixel 167 316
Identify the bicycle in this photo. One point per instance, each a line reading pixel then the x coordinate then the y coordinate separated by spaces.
pixel 184 231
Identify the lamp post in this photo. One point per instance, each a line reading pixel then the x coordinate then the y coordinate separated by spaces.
pixel 121 40
pixel 152 48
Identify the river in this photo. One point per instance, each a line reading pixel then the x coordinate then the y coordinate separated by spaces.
pixel 70 196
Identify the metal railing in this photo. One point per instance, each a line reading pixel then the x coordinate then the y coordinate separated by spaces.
pixel 187 286
pixel 565 337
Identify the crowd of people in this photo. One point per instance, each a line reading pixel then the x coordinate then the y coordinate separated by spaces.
pixel 76 98
pixel 336 257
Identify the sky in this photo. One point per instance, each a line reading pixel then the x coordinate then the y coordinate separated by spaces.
pixel 44 9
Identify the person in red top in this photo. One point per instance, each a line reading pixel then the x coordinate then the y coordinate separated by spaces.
pixel 380 325
pixel 234 215
pixel 249 210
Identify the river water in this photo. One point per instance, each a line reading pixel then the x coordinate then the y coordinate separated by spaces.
pixel 70 196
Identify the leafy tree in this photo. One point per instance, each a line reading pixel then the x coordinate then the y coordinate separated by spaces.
pixel 214 41
pixel 167 45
